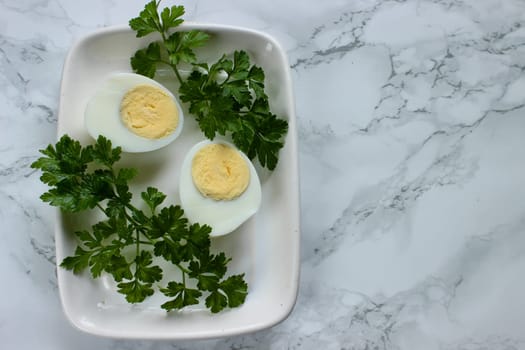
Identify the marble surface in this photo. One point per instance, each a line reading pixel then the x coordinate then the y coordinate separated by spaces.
pixel 411 122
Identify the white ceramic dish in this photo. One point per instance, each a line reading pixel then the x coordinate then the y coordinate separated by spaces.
pixel 265 248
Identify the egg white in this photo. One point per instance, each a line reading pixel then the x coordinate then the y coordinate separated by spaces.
pixel 224 216
pixel 102 114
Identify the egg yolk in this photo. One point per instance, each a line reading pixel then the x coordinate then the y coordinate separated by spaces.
pixel 220 172
pixel 149 112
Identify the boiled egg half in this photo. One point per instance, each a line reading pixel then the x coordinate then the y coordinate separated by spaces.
pixel 218 186
pixel 134 112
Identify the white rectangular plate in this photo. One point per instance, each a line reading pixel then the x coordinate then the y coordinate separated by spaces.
pixel 265 248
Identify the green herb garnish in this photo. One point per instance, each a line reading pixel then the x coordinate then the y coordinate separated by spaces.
pixel 226 97
pixel 124 244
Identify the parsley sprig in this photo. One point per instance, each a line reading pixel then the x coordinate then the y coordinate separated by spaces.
pixel 226 97
pixel 129 241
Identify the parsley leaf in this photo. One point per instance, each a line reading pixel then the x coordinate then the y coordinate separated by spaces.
pixel 231 292
pixel 180 46
pixel 148 20
pixel 78 262
pixel 171 17
pixel 145 271
pixel 135 291
pixel 104 154
pixel 168 223
pixel 153 198
pixel 209 270
pixel 119 268
pixel 145 61
pixel 183 296
pixel 235 289
pixel 216 301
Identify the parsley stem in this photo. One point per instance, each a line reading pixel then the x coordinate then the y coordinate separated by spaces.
pixel 138 242
pixel 129 218
pixel 101 208
pixel 183 269
pixel 174 67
